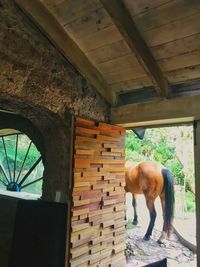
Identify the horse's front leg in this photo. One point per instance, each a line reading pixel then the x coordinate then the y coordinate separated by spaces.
pixel 135 219
pixel 153 214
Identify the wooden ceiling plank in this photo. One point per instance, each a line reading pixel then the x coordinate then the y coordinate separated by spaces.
pixel 127 28
pixel 124 75
pixel 53 30
pixel 69 10
pixel 165 14
pixel 98 39
pixel 184 74
pixel 177 47
pixel 143 6
pixel 180 61
pixel 131 85
pixel 89 23
pixel 157 111
pixel 119 63
pixel 109 52
pixel 173 31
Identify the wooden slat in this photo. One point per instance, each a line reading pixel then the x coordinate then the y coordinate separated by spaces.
pixel 99 39
pixel 126 26
pixel 116 65
pixel 165 14
pixel 184 74
pixel 51 27
pixel 175 30
pixel 142 6
pixel 108 52
pixel 186 45
pixel 70 10
pixel 89 23
pixel 124 75
pixel 97 220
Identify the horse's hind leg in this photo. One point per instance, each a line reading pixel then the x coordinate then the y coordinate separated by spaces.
pixel 135 219
pixel 153 214
pixel 164 231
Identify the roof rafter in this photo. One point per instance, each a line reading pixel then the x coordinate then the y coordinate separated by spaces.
pixel 126 26
pixel 59 37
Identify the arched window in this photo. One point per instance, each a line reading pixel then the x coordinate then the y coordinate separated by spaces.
pixel 21 166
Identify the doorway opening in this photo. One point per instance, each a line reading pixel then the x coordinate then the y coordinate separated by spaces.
pixel 173 147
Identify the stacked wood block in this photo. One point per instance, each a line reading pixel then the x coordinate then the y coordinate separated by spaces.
pixel 98 209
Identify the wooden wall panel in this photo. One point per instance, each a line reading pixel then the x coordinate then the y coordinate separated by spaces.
pixel 98 209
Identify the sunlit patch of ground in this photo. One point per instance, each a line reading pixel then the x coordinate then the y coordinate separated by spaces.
pixel 142 252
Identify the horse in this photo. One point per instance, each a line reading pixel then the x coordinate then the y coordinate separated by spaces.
pixel 152 180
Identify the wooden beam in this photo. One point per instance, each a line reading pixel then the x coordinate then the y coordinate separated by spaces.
pixel 197 183
pixel 132 36
pixel 63 42
pixel 176 110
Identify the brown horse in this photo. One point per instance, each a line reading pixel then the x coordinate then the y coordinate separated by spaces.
pixel 152 180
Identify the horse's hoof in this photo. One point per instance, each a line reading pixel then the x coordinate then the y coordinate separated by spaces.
pixel 160 242
pixel 135 222
pixel 146 238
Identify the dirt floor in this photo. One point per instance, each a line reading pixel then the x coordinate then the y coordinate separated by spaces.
pixel 140 252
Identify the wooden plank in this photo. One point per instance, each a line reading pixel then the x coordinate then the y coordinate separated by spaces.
pixel 86 130
pixel 80 211
pixel 184 74
pixel 76 242
pixel 80 260
pixel 76 252
pixel 175 30
pixel 97 224
pixel 197 183
pixel 118 248
pixel 142 6
pixel 87 162
pixel 127 28
pixel 131 85
pixel 180 62
pixel 85 151
pixel 80 202
pixel 165 14
pixel 179 109
pixel 124 75
pixel 100 38
pixel 109 52
pixel 89 23
pixel 117 64
pixel 71 10
pixel 183 46
pixel 79 227
pixel 108 223
pixel 51 27
pixel 97 248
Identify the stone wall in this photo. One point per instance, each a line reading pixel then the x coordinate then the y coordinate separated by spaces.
pixel 33 70
pixel 37 83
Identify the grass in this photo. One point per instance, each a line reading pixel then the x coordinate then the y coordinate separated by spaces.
pixel 129 225
pixel 184 203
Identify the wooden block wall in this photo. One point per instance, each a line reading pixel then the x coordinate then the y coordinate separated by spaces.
pixel 98 209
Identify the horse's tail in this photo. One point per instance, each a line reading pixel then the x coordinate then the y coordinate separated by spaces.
pixel 169 199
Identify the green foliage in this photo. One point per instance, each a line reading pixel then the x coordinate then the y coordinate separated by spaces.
pixel 160 144
pixel 190 202
pixel 32 156
pixel 129 225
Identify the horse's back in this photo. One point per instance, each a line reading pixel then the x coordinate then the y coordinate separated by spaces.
pixel 151 177
pixel 146 177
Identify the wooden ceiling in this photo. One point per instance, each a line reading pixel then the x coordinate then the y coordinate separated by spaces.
pixel 132 51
